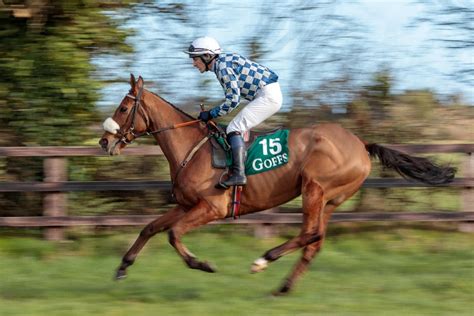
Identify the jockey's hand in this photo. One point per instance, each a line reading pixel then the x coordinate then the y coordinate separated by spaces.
pixel 205 116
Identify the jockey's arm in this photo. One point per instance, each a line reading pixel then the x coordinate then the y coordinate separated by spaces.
pixel 228 80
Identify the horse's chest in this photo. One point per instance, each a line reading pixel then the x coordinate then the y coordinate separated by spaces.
pixel 185 196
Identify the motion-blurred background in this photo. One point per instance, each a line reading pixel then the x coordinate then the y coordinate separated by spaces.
pixel 397 72
pixel 391 71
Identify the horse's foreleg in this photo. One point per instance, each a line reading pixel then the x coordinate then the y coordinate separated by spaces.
pixel 161 224
pixel 309 252
pixel 313 203
pixel 199 215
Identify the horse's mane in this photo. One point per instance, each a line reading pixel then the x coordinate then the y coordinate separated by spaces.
pixel 171 104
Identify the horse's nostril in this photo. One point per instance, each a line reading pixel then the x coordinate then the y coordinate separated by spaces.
pixel 103 143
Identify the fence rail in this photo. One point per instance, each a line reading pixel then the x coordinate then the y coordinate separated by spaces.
pixel 78 151
pixel 135 185
pixel 256 218
pixel 55 185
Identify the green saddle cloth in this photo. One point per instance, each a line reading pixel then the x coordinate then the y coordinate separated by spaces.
pixel 266 152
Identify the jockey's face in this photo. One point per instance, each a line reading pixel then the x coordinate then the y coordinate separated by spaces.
pixel 199 64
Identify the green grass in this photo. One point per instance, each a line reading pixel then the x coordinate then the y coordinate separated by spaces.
pixel 404 271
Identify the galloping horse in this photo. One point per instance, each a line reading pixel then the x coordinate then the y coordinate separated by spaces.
pixel 328 165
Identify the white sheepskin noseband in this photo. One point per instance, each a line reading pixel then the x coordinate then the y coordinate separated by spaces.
pixel 111 126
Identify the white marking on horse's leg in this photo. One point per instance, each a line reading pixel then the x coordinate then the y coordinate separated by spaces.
pixel 259 265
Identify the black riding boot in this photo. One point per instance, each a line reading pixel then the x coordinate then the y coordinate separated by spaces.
pixel 238 165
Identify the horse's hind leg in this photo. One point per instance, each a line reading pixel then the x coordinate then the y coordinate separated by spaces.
pixel 199 215
pixel 309 252
pixel 161 224
pixel 313 203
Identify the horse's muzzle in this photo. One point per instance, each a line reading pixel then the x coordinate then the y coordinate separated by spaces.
pixel 103 142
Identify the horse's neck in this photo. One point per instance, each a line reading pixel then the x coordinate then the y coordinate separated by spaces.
pixel 175 143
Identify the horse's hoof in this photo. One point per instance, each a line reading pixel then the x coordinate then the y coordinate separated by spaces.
pixel 193 263
pixel 206 266
pixel 120 275
pixel 259 265
pixel 284 290
pixel 281 292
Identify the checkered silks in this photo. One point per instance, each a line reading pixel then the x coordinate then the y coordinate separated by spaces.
pixel 239 77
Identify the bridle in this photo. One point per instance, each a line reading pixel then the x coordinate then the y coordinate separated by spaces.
pixel 214 129
pixel 131 130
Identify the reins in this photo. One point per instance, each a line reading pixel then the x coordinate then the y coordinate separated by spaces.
pixel 136 135
pixel 213 129
pixel 135 109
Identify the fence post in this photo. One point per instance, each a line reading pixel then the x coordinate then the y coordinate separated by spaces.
pixel 265 230
pixel 467 195
pixel 54 203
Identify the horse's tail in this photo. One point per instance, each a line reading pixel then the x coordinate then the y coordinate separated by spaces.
pixel 417 168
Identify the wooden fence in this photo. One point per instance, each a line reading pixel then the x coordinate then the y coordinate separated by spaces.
pixel 55 184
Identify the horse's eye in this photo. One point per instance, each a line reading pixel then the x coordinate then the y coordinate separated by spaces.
pixel 123 109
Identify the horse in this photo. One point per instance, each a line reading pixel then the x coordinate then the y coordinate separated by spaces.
pixel 328 165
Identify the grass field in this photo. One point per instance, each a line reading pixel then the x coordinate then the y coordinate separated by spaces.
pixel 395 271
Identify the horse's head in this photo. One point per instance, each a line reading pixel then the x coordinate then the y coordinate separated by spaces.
pixel 128 122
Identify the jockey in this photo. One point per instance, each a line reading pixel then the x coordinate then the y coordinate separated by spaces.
pixel 239 77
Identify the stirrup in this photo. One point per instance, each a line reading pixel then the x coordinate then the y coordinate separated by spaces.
pixel 222 185
pixel 239 180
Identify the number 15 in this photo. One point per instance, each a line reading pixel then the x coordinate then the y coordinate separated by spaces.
pixel 273 146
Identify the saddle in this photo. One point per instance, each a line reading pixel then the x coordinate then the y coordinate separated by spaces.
pixel 222 157
pixel 266 150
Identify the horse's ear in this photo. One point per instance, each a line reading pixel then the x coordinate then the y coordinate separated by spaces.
pixel 140 83
pixel 132 81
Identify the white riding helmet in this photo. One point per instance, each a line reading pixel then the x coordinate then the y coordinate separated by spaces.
pixel 202 46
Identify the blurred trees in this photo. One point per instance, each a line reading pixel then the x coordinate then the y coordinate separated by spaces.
pixel 453 21
pixel 50 84
pixel 47 88
pixel 414 116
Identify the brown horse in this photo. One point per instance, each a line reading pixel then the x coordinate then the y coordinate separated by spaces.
pixel 328 165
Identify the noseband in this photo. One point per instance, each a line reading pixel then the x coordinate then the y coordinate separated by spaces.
pixel 134 111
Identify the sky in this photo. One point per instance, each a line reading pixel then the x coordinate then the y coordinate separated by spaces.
pixel 417 62
pixel 423 62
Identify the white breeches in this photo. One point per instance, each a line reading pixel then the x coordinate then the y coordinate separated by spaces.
pixel 267 102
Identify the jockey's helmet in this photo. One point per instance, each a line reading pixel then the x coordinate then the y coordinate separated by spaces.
pixel 204 46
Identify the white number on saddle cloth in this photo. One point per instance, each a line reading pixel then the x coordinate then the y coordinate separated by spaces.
pixel 273 146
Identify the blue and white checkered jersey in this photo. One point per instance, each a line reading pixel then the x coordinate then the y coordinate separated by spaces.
pixel 239 77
